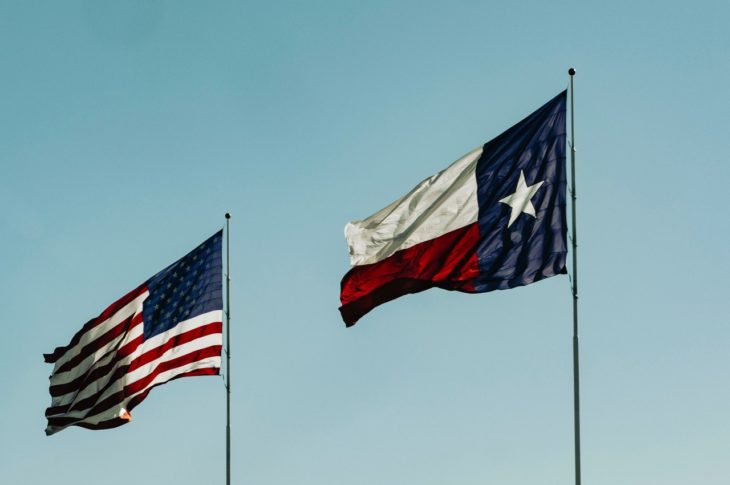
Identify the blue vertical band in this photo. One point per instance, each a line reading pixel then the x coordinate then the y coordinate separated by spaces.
pixel 532 248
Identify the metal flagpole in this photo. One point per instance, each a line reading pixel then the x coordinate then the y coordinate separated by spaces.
pixel 228 348
pixel 574 238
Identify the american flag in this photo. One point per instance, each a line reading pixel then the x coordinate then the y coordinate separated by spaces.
pixel 168 327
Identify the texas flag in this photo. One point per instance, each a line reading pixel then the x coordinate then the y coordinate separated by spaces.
pixel 493 220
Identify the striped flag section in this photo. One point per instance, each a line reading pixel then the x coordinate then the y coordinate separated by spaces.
pixel 168 327
pixel 494 219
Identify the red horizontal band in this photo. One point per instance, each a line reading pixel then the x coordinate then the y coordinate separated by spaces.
pixel 149 356
pixel 83 380
pixel 88 349
pixel 105 315
pixel 140 385
pixel 448 262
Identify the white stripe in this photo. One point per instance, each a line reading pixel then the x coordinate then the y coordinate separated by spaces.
pixel 120 409
pixel 98 358
pixel 440 204
pixel 173 353
pixel 134 306
pixel 144 371
pixel 139 373
pixel 150 344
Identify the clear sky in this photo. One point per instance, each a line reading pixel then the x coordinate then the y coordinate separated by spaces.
pixel 128 128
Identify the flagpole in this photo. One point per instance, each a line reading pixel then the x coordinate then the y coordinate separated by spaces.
pixel 574 238
pixel 228 348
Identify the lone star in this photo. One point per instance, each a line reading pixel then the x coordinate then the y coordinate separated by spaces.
pixel 520 200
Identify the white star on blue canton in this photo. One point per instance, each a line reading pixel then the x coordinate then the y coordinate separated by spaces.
pixel 519 201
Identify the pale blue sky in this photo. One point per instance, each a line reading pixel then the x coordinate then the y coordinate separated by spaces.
pixel 128 128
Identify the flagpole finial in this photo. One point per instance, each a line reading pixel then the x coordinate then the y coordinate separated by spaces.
pixel 571 71
pixel 228 215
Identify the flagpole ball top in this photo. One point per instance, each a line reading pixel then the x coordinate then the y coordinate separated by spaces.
pixel 228 215
pixel 571 71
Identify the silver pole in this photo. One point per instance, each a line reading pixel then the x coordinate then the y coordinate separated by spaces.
pixel 576 380
pixel 228 348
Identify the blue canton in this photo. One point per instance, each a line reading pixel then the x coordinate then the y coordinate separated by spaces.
pixel 189 287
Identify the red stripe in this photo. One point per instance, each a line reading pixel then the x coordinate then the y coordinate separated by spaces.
pixel 141 384
pixel 208 371
pixel 212 351
pixel 80 383
pixel 109 424
pixel 116 422
pixel 110 310
pixel 94 345
pixel 183 338
pixel 448 262
pixel 147 357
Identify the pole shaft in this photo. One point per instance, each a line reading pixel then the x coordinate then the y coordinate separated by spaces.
pixel 228 349
pixel 576 373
